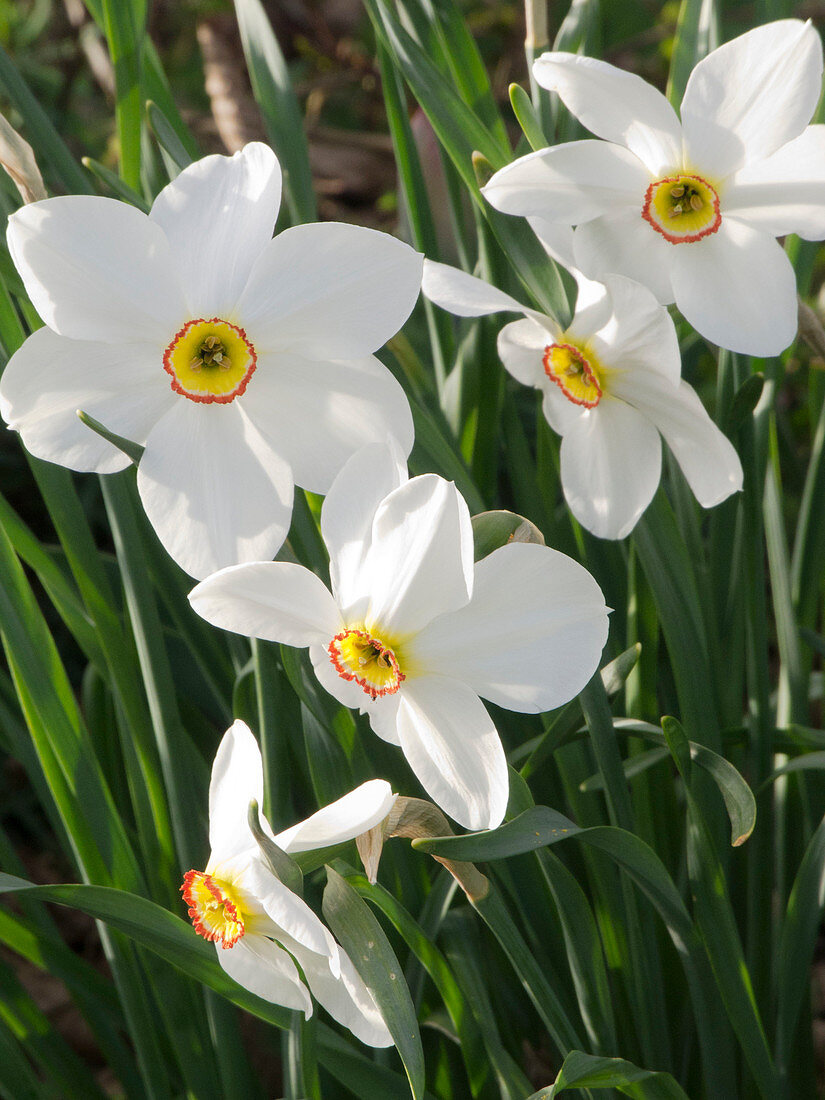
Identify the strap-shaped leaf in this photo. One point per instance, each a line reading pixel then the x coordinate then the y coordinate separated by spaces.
pixel 588 1071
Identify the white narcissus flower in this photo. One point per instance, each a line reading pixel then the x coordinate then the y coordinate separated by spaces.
pixel 243 363
pixel 258 925
pixel 690 208
pixel 413 632
pixel 611 384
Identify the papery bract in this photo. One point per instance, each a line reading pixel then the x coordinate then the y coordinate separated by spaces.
pixel 259 926
pixel 414 633
pixel 690 208
pixel 610 384
pixel 243 363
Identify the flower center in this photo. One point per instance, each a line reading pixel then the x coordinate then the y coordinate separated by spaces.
pixel 576 376
pixel 210 361
pixel 367 661
pixel 214 908
pixel 682 208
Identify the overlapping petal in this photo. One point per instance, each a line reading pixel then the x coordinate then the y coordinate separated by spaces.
pixel 622 243
pixel 532 634
pixel 97 269
pixel 615 105
pixel 451 744
pixel 277 601
pixel 751 95
pixel 50 377
pixel 611 463
pixel 265 969
pixel 237 779
pixel 737 288
pixel 639 336
pixel 784 193
pixel 319 413
pixel 213 489
pixel 330 291
pixel 218 216
pixel 348 511
pixel 420 561
pixel 570 183
pixel 707 457
pixel 289 912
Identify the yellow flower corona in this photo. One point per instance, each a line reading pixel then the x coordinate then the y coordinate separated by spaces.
pixel 214 908
pixel 683 208
pixel 578 376
pixel 210 361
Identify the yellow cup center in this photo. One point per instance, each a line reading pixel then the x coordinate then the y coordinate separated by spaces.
pixel 683 208
pixel 363 659
pixel 577 375
pixel 210 361
pixel 214 908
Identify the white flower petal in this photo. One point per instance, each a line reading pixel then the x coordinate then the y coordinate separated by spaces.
pixel 570 183
pixel 530 638
pixel 615 105
pixel 706 456
pixel 237 779
pixel 594 307
pixel 464 294
pixel 97 269
pixel 750 96
pixel 640 334
pixel 716 287
pixel 381 711
pixel 318 414
pixel 213 489
pixel 218 216
pixel 611 463
pixel 453 747
pixel 50 377
pixel 274 600
pixel 521 346
pixel 342 820
pixel 265 969
pixel 556 239
pixel 345 998
pixel 560 412
pixel 421 559
pixel 623 243
pixel 330 290
pixel 784 193
pixel 288 911
pixel 349 509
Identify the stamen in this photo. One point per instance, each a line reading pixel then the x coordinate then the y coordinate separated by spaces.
pixel 213 908
pixel 683 209
pixel 367 661
pixel 575 375
pixel 210 361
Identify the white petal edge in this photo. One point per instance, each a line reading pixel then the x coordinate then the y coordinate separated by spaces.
pixel 317 414
pixel 706 456
pixel 349 509
pixel 453 747
pixel 266 970
pixel 751 95
pixel 532 635
pixel 97 269
pixel 213 488
pixel 570 183
pixel 50 377
pixel 784 193
pixel 463 294
pixel 615 105
pixel 611 464
pixel 330 290
pixel 273 600
pixel 420 561
pixel 218 215
pixel 715 289
pixel 342 820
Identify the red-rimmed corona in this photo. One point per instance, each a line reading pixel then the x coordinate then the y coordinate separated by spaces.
pixel 577 375
pixel 683 208
pixel 367 661
pixel 210 361
pixel 214 908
